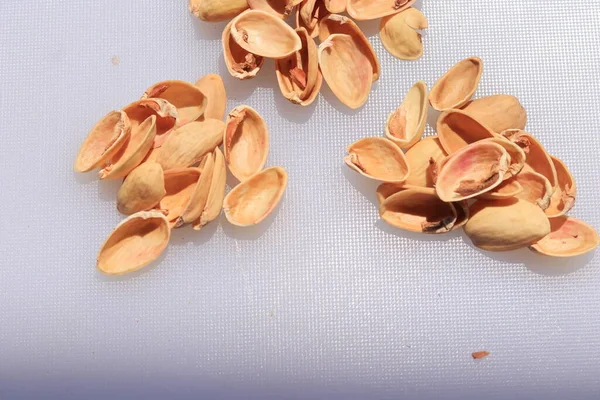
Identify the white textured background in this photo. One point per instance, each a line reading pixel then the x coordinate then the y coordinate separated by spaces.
pixel 322 301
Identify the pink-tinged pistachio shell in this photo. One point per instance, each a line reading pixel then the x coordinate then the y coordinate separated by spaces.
pixel 537 157
pixel 136 242
pixel 399 36
pixel 405 125
pixel 536 188
pixel 197 202
pixel 379 159
pixel 180 185
pixel 104 140
pixel 456 87
pixel 265 35
pixel 456 130
pixel 569 237
pixel 335 6
pixel 422 158
pixel 517 155
pixel 217 10
pixel 250 202
pixel 187 98
pixel 142 189
pixel 374 9
pixel 213 88
pixel 565 194
pixel 498 112
pixel 165 112
pixel 216 193
pixel 507 189
pixel 308 15
pixel 280 8
pixel 240 63
pixel 346 69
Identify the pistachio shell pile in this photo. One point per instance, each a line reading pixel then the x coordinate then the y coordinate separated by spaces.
pixel 482 171
pixel 166 148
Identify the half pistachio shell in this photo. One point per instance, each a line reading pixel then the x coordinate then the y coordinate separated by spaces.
pixel 498 112
pixel 213 88
pixel 165 112
pixel 279 8
pixel 217 10
pixel 240 63
pixel 379 159
pixel 456 87
pixel 457 129
pixel 103 141
pixel 143 189
pixel 197 201
pixel 374 9
pixel 537 157
pixel 246 142
pixel 308 15
pixel 253 200
pixel 536 188
pixel 422 158
pixel 405 125
pixel 216 192
pixel 187 98
pixel 565 194
pixel 136 242
pixel 569 237
pixel 399 36
pixel 180 185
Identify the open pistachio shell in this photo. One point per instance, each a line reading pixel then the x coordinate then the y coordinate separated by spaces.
pixel 399 36
pixel 199 196
pixel 498 112
pixel 263 34
pixel 569 237
pixel 246 142
pixel 165 112
pixel 457 129
pixel 240 63
pixel 517 155
pixel 136 242
pixel 472 171
pixel 143 189
pixel 187 98
pixel 308 15
pixel 279 8
pixel 537 157
pixel 104 140
pixel 405 125
pixel 213 88
pixel 253 200
pixel 374 9
pixel 536 188
pixel 379 159
pixel 422 158
pixel 565 194
pixel 217 10
pixel 216 193
pixel 507 189
pixel 456 87
pixel 180 184
pixel 335 6
pixel 346 69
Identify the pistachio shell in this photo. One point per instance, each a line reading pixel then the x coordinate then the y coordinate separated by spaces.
pixel 308 15
pixel 180 184
pixel 507 189
pixel 279 8
pixel 569 237
pixel 187 98
pixel 246 142
pixel 217 10
pixel 565 194
pixel 213 88
pixel 374 9
pixel 189 143
pixel 502 225
pixel 104 140
pixel 165 112
pixel 517 155
pixel 398 34
pixel 536 188
pixel 456 87
pixel 199 196
pixel 457 129
pixel 385 190
pixel 405 125
pixel 136 242
pixel 216 193
pixel 422 158
pixel 253 200
pixel 240 63
pixel 143 189
pixel 498 112
pixel 263 34
pixel 335 6
pixel 346 69
pixel 379 159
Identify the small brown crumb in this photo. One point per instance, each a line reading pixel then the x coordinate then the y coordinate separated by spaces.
pixel 115 60
pixel 478 355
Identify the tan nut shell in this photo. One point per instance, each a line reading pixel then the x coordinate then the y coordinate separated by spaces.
pixel 346 69
pixel 537 157
pixel 165 112
pixel 187 98
pixel 405 125
pixel 456 87
pixel 279 8
pixel 217 10
pixel 213 88
pixel 251 201
pixel 507 189
pixel 498 112
pixel 180 184
pixel 309 14
pixel 565 194
pixel 240 63
pixel 246 142
pixel 399 36
pixel 103 141
pixel 136 242
pixel 457 129
pixel 335 6
pixel 502 225
pixel 199 196
pixel 569 237
pixel 379 159
pixel 216 193
pixel 422 158
pixel 373 9
pixel 536 188
pixel 143 189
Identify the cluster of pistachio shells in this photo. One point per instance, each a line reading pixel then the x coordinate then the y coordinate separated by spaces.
pixel 344 59
pixel 481 171
pixel 166 147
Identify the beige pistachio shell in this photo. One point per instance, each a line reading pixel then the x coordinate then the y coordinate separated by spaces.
pixel 279 8
pixel 240 63
pixel 217 10
pixel 165 112
pixel 308 15
pixel 457 129
pixel 406 124
pixel 374 9
pixel 456 87
pixel 335 6
pixel 346 69
pixel 246 142
pixel 335 23
pixel 472 171
pixel 399 36
pixel 536 188
pixel 507 189
pixel 213 88
pixel 498 112
pixel 216 193
pixel 143 189
pixel 565 194
pixel 189 143
pixel 517 155
pixel 569 237
pixel 180 185
pixel 199 196
pixel 251 201
pixel 263 34
pixel 136 242
pixel 187 98
pixel 379 159
pixel 502 225
pixel 422 158
pixel 104 140
pixel 537 157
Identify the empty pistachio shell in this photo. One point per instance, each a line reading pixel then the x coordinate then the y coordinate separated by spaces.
pixel 143 189
pixel 165 112
pixel 457 129
pixel 187 98
pixel 180 184
pixel 569 237
pixel 537 157
pixel 405 125
pixel 213 88
pixel 346 69
pixel 216 193
pixel 456 87
pixel 399 36
pixel 240 63
pixel 246 142
pixel 373 9
pixel 536 188
pixel 136 242
pixel 103 141
pixel 502 225
pixel 263 34
pixel 279 8
pixel 189 143
pixel 422 158
pixel 507 189
pixel 379 159
pixel 565 194
pixel 308 15
pixel 217 10
pixel 517 155
pixel 335 6
pixel 199 196
pixel 498 112
pixel 253 200
pixel 472 171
